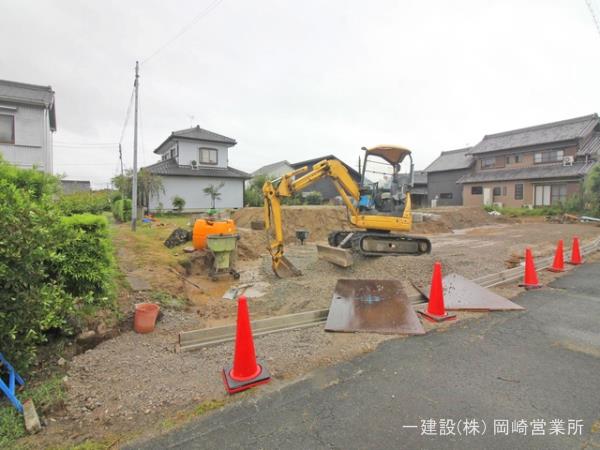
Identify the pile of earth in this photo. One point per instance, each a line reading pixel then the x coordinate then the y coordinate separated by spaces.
pixel 321 220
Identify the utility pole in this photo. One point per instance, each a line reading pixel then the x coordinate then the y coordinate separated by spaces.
pixel 135 142
pixel 121 159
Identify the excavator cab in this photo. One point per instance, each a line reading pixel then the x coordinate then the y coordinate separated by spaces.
pixel 388 196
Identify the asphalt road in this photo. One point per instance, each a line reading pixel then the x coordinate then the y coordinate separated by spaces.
pixel 539 365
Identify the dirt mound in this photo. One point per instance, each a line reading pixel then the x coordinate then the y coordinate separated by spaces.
pixel 321 220
pixel 318 220
pixel 252 244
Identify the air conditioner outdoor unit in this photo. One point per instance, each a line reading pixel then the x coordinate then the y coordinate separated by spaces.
pixel 194 164
pixel 568 160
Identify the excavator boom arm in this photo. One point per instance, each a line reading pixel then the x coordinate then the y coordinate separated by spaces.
pixel 288 185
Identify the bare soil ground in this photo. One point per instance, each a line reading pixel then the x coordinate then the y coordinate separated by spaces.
pixel 135 381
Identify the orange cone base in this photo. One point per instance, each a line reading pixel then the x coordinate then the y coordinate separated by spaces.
pixel 435 318
pixel 575 263
pixel 530 286
pixel 234 386
pixel 552 269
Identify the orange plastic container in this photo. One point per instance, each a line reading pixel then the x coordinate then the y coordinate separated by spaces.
pixel 145 317
pixel 205 227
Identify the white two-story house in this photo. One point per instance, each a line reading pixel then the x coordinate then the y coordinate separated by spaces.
pixel 192 160
pixel 27 121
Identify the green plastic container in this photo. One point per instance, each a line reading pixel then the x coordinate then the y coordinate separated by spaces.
pixel 222 245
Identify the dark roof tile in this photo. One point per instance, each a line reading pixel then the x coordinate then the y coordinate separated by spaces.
pixel 170 167
pixel 563 130
pixel 528 173
pixel 451 160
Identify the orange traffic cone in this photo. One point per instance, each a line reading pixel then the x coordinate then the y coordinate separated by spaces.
pixel 559 264
pixel 575 253
pixel 531 279
pixel 246 372
pixel 436 311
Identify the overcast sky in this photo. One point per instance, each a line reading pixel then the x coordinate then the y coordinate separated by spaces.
pixel 294 80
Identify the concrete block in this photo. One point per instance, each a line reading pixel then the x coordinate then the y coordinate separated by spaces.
pixel 32 421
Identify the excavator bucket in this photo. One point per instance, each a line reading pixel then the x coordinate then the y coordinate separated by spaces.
pixel 284 268
pixel 335 255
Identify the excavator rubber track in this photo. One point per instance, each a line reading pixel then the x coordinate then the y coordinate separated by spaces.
pixel 377 243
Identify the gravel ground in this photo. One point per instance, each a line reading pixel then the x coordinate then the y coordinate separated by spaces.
pixel 469 252
pixel 134 380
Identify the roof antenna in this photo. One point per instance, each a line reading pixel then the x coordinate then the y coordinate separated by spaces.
pixel 191 120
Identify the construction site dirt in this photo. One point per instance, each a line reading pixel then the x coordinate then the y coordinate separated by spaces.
pixel 132 381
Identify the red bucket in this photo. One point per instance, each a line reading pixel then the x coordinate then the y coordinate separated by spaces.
pixel 145 317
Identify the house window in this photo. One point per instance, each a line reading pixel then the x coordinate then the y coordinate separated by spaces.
pixel 519 191
pixel 488 163
pixel 208 156
pixel 558 193
pixel 503 191
pixel 497 192
pixel 517 159
pixel 173 152
pixel 476 190
pixel 550 194
pixel 548 156
pixel 446 195
pixel 7 129
pixel 507 160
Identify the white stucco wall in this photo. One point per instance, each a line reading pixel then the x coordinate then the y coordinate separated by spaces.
pixel 191 190
pixel 33 138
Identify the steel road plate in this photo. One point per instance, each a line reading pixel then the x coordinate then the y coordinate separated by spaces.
pixel 379 306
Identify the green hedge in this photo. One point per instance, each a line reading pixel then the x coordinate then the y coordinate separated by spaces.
pixel 121 210
pixel 86 258
pixel 50 266
pixel 85 202
pixel 31 300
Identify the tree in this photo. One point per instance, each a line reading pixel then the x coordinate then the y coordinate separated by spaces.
pixel 213 192
pixel 149 185
pixel 253 194
pixel 178 203
pixel 592 189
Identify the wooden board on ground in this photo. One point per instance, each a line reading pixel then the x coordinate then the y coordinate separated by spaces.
pixel 377 306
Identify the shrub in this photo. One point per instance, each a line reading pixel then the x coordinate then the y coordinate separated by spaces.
pixel 31 301
pixel 86 258
pixel 314 198
pixel 37 184
pixel 178 203
pixel 295 199
pixel 85 202
pixel 253 197
pixel 49 265
pixel 121 210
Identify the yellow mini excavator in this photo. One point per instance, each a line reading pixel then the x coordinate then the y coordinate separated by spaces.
pixel 377 211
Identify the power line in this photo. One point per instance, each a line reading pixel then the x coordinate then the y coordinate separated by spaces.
pixel 77 147
pixel 205 12
pixel 127 115
pixel 593 13
pixel 84 144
